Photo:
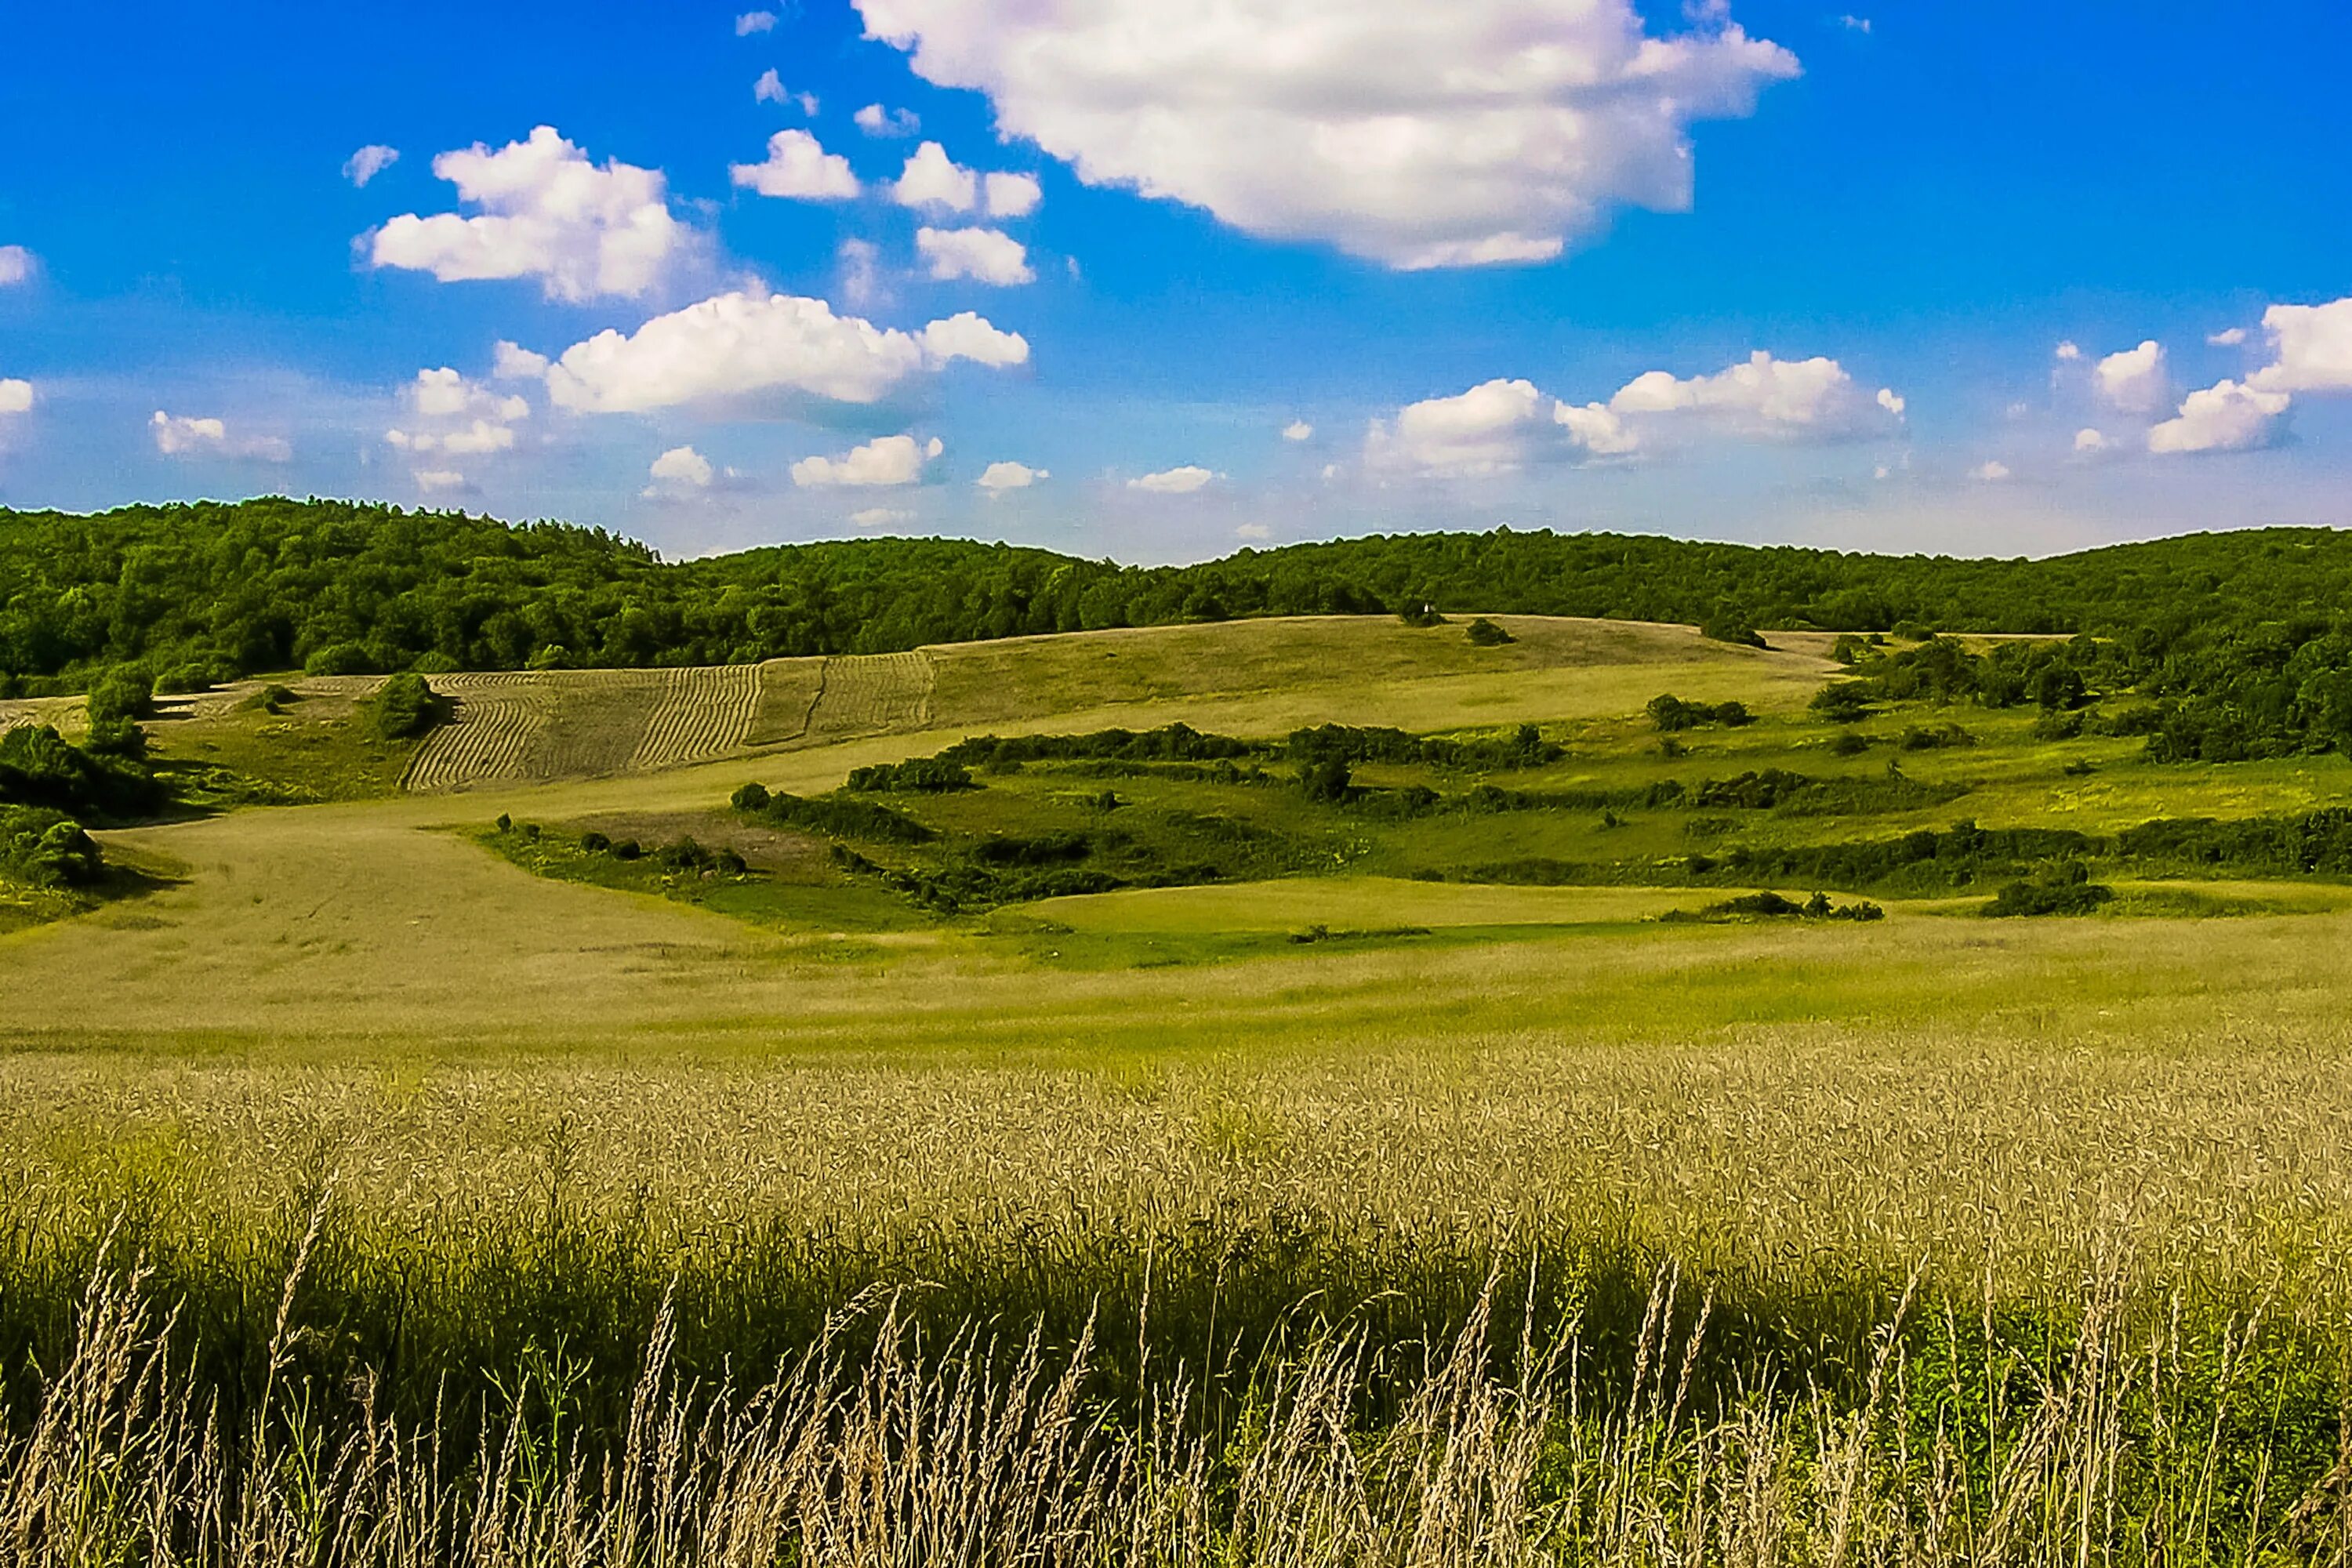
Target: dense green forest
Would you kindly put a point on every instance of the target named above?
(2246, 632)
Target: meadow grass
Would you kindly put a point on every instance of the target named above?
(381, 1189)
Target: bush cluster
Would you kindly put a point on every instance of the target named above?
(2062, 889)
(1672, 715)
(832, 815)
(919, 775)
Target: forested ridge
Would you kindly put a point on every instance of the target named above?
(195, 592)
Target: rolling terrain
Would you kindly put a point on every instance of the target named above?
(1285, 1065)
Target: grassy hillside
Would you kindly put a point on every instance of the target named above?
(1960, 1238)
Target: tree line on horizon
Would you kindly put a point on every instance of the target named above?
(196, 594)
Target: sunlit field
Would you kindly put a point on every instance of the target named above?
(1403, 1181)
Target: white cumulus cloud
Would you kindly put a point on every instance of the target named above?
(1299, 430)
(2227, 337)
(932, 179)
(1762, 395)
(983, 255)
(968, 335)
(2227, 416)
(752, 22)
(799, 166)
(16, 395)
(2069, 350)
(998, 478)
(1474, 435)
(16, 265)
(1014, 195)
(1597, 429)
(512, 362)
(1990, 471)
(455, 417)
(2135, 381)
(745, 342)
(368, 162)
(684, 467)
(1409, 134)
(179, 437)
(582, 229)
(1180, 481)
(2311, 348)
(886, 460)
(2089, 440)
(877, 120)
(438, 482)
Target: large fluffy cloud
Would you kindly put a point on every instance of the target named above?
(885, 461)
(1410, 133)
(1763, 395)
(739, 343)
(547, 212)
(2311, 349)
(16, 395)
(2225, 417)
(799, 166)
(985, 254)
(1477, 435)
(15, 264)
(1501, 426)
(2135, 381)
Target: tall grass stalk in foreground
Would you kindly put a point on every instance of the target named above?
(2138, 1441)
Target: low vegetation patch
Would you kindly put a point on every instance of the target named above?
(1768, 905)
(2064, 889)
(1672, 715)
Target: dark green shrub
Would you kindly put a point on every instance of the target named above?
(1672, 715)
(1327, 780)
(340, 659)
(39, 767)
(595, 843)
(404, 707)
(1484, 633)
(1419, 613)
(2064, 888)
(1849, 744)
(627, 849)
(1843, 702)
(1731, 629)
(44, 848)
(920, 776)
(750, 797)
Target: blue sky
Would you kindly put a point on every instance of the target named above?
(1265, 271)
